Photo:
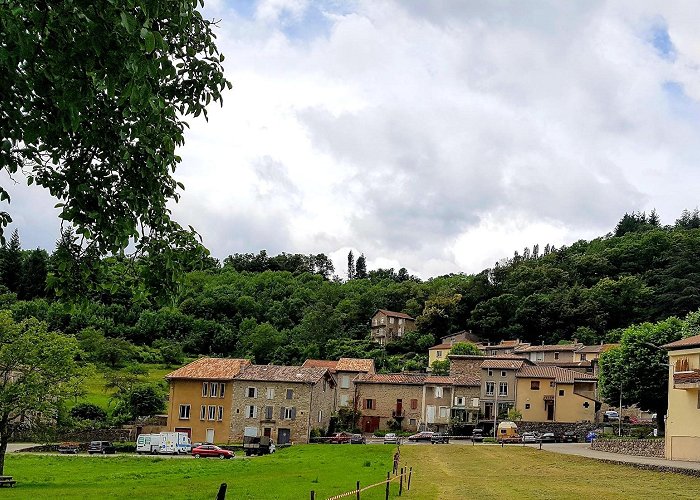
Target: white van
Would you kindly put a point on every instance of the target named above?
(174, 443)
(148, 444)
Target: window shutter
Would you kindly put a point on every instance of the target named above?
(282, 413)
(294, 413)
(364, 404)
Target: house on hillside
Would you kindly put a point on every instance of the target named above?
(201, 396)
(344, 370)
(563, 353)
(503, 347)
(283, 403)
(554, 394)
(683, 417)
(388, 326)
(590, 355)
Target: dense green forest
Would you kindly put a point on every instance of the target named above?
(286, 308)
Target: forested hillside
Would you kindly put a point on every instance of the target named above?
(286, 308)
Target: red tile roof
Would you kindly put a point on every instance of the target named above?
(209, 369)
(320, 363)
(355, 365)
(466, 381)
(685, 343)
(560, 375)
(598, 348)
(394, 314)
(274, 373)
(512, 364)
(439, 379)
(550, 348)
(446, 345)
(391, 378)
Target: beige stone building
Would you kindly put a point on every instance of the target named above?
(554, 394)
(498, 385)
(282, 402)
(344, 370)
(388, 326)
(385, 397)
(466, 399)
(201, 398)
(683, 417)
(503, 347)
(437, 402)
(549, 353)
(438, 353)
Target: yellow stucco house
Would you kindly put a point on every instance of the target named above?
(553, 394)
(683, 417)
(201, 398)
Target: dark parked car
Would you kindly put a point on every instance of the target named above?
(358, 439)
(440, 438)
(591, 436)
(210, 450)
(478, 435)
(569, 437)
(103, 447)
(548, 437)
(257, 445)
(421, 436)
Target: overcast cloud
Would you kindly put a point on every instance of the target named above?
(437, 136)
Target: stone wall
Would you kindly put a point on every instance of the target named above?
(558, 428)
(639, 447)
(82, 436)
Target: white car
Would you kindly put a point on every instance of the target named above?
(390, 438)
(529, 437)
(611, 415)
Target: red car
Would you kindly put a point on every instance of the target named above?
(340, 438)
(210, 450)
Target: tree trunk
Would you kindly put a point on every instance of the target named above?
(4, 438)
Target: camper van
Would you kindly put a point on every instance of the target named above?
(174, 443)
(148, 444)
(507, 433)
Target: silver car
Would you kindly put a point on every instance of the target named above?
(390, 438)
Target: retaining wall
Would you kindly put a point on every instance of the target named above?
(638, 447)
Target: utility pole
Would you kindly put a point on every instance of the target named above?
(619, 415)
(495, 412)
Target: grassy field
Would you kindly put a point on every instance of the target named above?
(440, 472)
(95, 385)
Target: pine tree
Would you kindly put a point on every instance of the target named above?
(11, 263)
(34, 269)
(361, 267)
(351, 265)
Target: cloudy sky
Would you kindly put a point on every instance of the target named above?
(439, 136)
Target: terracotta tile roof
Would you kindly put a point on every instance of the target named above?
(209, 369)
(320, 363)
(355, 365)
(394, 314)
(391, 378)
(560, 375)
(512, 364)
(566, 364)
(439, 379)
(467, 381)
(550, 348)
(274, 373)
(689, 377)
(685, 343)
(446, 345)
(598, 348)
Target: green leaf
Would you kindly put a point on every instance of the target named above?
(150, 42)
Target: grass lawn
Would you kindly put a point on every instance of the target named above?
(485, 472)
(290, 473)
(440, 472)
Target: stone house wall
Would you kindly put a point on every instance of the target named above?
(638, 447)
(385, 396)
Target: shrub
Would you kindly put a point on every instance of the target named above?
(88, 411)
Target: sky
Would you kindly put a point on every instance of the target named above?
(438, 136)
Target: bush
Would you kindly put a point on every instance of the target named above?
(88, 411)
(490, 440)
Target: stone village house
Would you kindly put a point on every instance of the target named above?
(387, 326)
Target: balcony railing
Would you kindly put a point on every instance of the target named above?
(398, 413)
(687, 379)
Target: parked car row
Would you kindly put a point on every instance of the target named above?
(549, 437)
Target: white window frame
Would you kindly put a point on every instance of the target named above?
(540, 356)
(490, 372)
(502, 392)
(345, 381)
(320, 415)
(391, 320)
(438, 354)
(270, 393)
(400, 321)
(222, 389)
(205, 389)
(444, 411)
(503, 373)
(248, 391)
(213, 389)
(344, 400)
(492, 385)
(251, 411)
(220, 413)
(288, 412)
(459, 401)
(184, 412)
(211, 413)
(437, 391)
(203, 412)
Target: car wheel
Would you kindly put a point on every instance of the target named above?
(221, 457)
(196, 455)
